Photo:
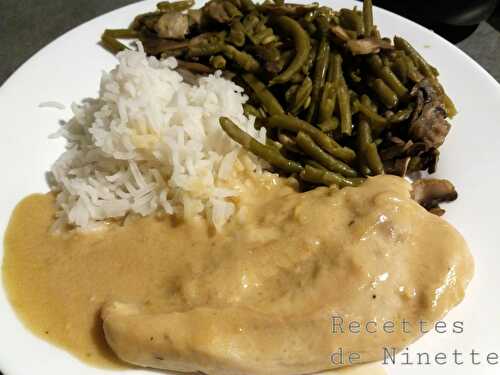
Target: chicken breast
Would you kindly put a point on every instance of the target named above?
(281, 285)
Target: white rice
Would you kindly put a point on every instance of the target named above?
(151, 142)
(52, 104)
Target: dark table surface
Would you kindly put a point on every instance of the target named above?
(28, 25)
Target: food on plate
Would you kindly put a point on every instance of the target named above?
(152, 142)
(229, 193)
(256, 298)
(375, 104)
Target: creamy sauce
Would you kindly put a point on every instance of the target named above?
(257, 298)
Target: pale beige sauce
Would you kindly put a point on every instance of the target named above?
(256, 298)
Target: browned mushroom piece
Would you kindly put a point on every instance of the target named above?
(172, 26)
(367, 46)
(432, 160)
(428, 123)
(398, 167)
(438, 211)
(194, 18)
(340, 33)
(147, 20)
(429, 192)
(155, 46)
(216, 11)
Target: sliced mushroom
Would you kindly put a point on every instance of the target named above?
(429, 192)
(398, 167)
(147, 20)
(216, 11)
(172, 26)
(394, 151)
(194, 18)
(428, 123)
(433, 158)
(367, 46)
(438, 211)
(340, 33)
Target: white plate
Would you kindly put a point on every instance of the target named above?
(69, 69)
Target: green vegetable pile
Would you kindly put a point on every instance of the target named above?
(339, 101)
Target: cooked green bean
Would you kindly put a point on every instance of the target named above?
(320, 69)
(206, 49)
(335, 69)
(247, 5)
(387, 75)
(327, 103)
(237, 34)
(311, 57)
(368, 18)
(288, 143)
(364, 136)
(450, 106)
(329, 125)
(302, 47)
(266, 98)
(367, 150)
(365, 100)
(243, 59)
(401, 68)
(194, 67)
(249, 109)
(267, 153)
(218, 62)
(371, 115)
(177, 6)
(419, 61)
(264, 35)
(290, 93)
(307, 144)
(111, 43)
(384, 93)
(274, 144)
(363, 168)
(323, 23)
(267, 53)
(297, 78)
(329, 96)
(344, 109)
(351, 20)
(393, 82)
(413, 72)
(314, 164)
(250, 21)
(122, 33)
(373, 159)
(292, 10)
(310, 16)
(301, 95)
(322, 177)
(231, 9)
(402, 115)
(295, 124)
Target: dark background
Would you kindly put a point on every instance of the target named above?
(28, 25)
